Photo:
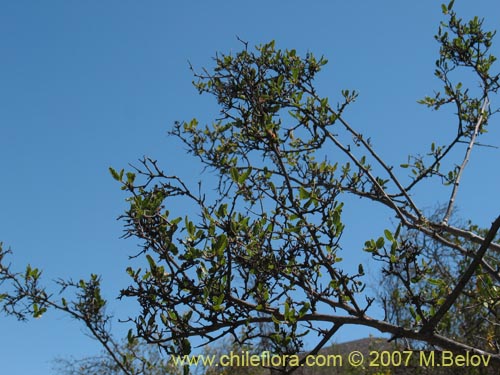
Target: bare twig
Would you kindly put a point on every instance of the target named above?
(465, 161)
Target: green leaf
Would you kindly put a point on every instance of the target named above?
(217, 306)
(361, 271)
(130, 337)
(380, 243)
(117, 176)
(242, 178)
(370, 246)
(304, 309)
(388, 235)
(222, 211)
(398, 229)
(220, 244)
(186, 346)
(436, 282)
(27, 274)
(287, 310)
(38, 312)
(190, 228)
(130, 177)
(151, 261)
(303, 193)
(234, 174)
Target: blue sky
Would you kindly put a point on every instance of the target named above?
(90, 84)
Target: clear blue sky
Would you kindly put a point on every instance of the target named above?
(85, 85)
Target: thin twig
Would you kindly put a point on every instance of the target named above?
(464, 163)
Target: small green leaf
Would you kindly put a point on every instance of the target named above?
(303, 193)
(130, 336)
(117, 176)
(220, 244)
(151, 261)
(242, 178)
(234, 174)
(361, 271)
(398, 229)
(222, 211)
(380, 243)
(304, 309)
(287, 310)
(370, 246)
(436, 282)
(186, 346)
(388, 235)
(130, 177)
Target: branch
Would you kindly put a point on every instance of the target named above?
(435, 231)
(321, 344)
(464, 163)
(450, 300)
(388, 169)
(468, 235)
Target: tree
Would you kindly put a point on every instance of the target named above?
(266, 248)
